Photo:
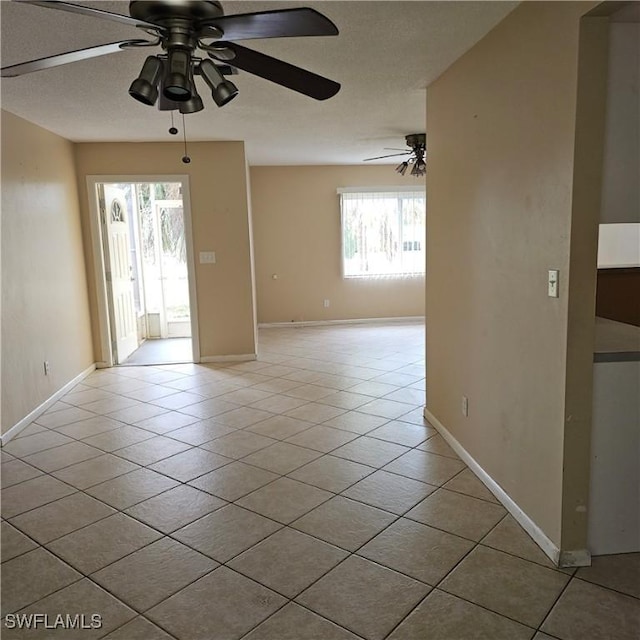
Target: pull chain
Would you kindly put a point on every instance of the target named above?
(172, 128)
(185, 158)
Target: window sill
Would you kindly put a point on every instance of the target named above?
(386, 276)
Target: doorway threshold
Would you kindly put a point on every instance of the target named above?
(161, 351)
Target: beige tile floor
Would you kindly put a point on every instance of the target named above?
(298, 497)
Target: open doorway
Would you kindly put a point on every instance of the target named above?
(146, 270)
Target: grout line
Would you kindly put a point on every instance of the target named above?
(555, 602)
(596, 584)
(404, 618)
(213, 381)
(185, 483)
(169, 535)
(140, 615)
(478, 544)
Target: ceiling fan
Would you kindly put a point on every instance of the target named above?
(183, 28)
(416, 143)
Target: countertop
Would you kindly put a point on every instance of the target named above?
(616, 341)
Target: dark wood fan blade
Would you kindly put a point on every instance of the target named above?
(90, 11)
(393, 155)
(280, 72)
(272, 24)
(64, 58)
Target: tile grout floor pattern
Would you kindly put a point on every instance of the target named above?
(300, 496)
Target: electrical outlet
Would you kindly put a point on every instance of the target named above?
(47, 368)
(326, 303)
(465, 406)
(207, 257)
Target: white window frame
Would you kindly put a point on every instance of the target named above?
(377, 189)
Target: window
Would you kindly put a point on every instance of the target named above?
(383, 232)
(117, 211)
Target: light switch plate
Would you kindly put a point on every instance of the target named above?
(207, 257)
(553, 284)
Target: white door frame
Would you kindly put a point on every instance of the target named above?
(106, 359)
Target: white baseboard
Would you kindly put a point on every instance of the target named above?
(578, 558)
(318, 323)
(242, 357)
(39, 410)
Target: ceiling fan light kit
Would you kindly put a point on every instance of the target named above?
(145, 87)
(192, 105)
(402, 168)
(184, 27)
(176, 84)
(222, 91)
(417, 149)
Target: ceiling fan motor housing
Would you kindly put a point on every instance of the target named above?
(418, 140)
(164, 12)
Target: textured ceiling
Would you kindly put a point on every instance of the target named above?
(385, 56)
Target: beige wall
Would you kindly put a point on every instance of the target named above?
(621, 187)
(581, 286)
(220, 219)
(296, 223)
(501, 128)
(45, 312)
